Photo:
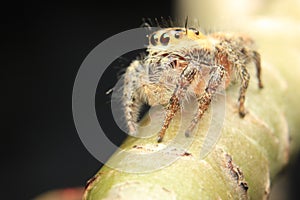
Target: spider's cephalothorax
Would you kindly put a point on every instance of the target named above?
(181, 62)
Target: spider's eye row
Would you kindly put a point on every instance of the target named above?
(154, 39)
(164, 39)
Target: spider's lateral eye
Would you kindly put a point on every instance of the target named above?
(154, 39)
(195, 31)
(177, 35)
(164, 39)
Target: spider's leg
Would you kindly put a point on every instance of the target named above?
(132, 99)
(256, 58)
(245, 77)
(217, 75)
(185, 79)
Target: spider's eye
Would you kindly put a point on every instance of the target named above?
(177, 35)
(195, 31)
(154, 39)
(164, 39)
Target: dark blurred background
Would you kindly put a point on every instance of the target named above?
(43, 46)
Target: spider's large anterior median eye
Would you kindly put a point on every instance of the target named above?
(164, 39)
(154, 39)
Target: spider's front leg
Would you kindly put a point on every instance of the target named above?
(185, 80)
(132, 97)
(217, 75)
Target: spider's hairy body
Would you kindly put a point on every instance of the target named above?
(183, 62)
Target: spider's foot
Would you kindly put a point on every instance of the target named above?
(189, 130)
(187, 133)
(161, 136)
(242, 113)
(159, 139)
(132, 129)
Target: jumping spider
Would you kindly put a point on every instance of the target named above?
(184, 61)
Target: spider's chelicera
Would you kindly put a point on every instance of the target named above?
(183, 62)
